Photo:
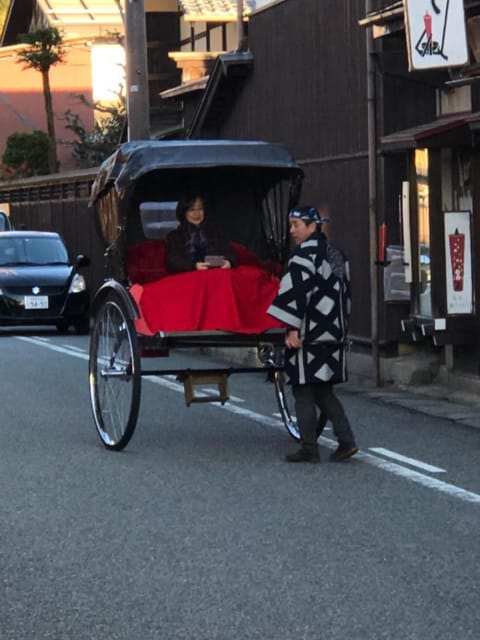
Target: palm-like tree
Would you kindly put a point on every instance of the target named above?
(45, 49)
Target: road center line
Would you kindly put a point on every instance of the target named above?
(385, 465)
(411, 461)
(72, 348)
(419, 478)
(208, 391)
(54, 347)
(232, 408)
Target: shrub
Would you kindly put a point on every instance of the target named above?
(26, 154)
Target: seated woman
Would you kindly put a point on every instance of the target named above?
(196, 297)
(193, 240)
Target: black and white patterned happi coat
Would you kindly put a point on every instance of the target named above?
(314, 297)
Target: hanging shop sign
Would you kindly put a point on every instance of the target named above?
(458, 262)
(436, 34)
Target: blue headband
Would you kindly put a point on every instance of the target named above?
(308, 214)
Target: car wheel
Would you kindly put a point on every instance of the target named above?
(62, 326)
(82, 326)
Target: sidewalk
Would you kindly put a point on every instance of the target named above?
(424, 400)
(461, 406)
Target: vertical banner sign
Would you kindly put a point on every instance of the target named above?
(458, 262)
(436, 34)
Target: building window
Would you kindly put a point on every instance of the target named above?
(423, 208)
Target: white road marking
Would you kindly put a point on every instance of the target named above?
(213, 392)
(252, 415)
(70, 346)
(391, 467)
(411, 461)
(54, 347)
(294, 419)
(279, 416)
(379, 463)
(419, 478)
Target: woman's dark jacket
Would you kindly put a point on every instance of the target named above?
(181, 257)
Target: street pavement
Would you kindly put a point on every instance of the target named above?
(199, 530)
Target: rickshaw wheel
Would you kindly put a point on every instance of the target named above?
(286, 404)
(114, 373)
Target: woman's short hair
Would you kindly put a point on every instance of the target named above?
(184, 204)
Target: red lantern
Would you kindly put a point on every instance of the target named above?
(382, 243)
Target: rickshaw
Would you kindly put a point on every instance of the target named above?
(138, 312)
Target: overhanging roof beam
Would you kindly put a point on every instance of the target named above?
(209, 17)
(394, 11)
(81, 12)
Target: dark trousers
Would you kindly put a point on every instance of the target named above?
(322, 395)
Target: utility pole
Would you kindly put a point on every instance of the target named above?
(138, 107)
(240, 26)
(372, 197)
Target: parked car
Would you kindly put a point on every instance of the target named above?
(5, 224)
(39, 284)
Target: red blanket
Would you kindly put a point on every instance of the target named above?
(225, 299)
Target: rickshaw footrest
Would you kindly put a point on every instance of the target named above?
(194, 378)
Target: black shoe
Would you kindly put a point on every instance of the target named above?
(304, 454)
(344, 452)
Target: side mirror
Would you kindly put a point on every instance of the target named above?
(82, 261)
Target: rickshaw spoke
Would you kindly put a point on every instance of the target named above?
(113, 412)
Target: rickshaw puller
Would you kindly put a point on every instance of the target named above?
(314, 304)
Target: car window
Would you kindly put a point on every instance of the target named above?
(8, 253)
(32, 250)
(45, 250)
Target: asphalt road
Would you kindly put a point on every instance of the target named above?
(199, 531)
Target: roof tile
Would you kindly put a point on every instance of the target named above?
(215, 7)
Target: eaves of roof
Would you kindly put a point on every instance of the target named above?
(74, 18)
(423, 134)
(236, 64)
(185, 88)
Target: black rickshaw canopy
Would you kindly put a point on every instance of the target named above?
(134, 159)
(249, 186)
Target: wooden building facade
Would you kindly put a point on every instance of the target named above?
(429, 169)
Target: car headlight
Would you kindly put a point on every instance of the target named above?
(78, 284)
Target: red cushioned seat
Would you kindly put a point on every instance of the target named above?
(230, 300)
(146, 261)
(247, 257)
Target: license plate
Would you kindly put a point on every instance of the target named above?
(36, 302)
